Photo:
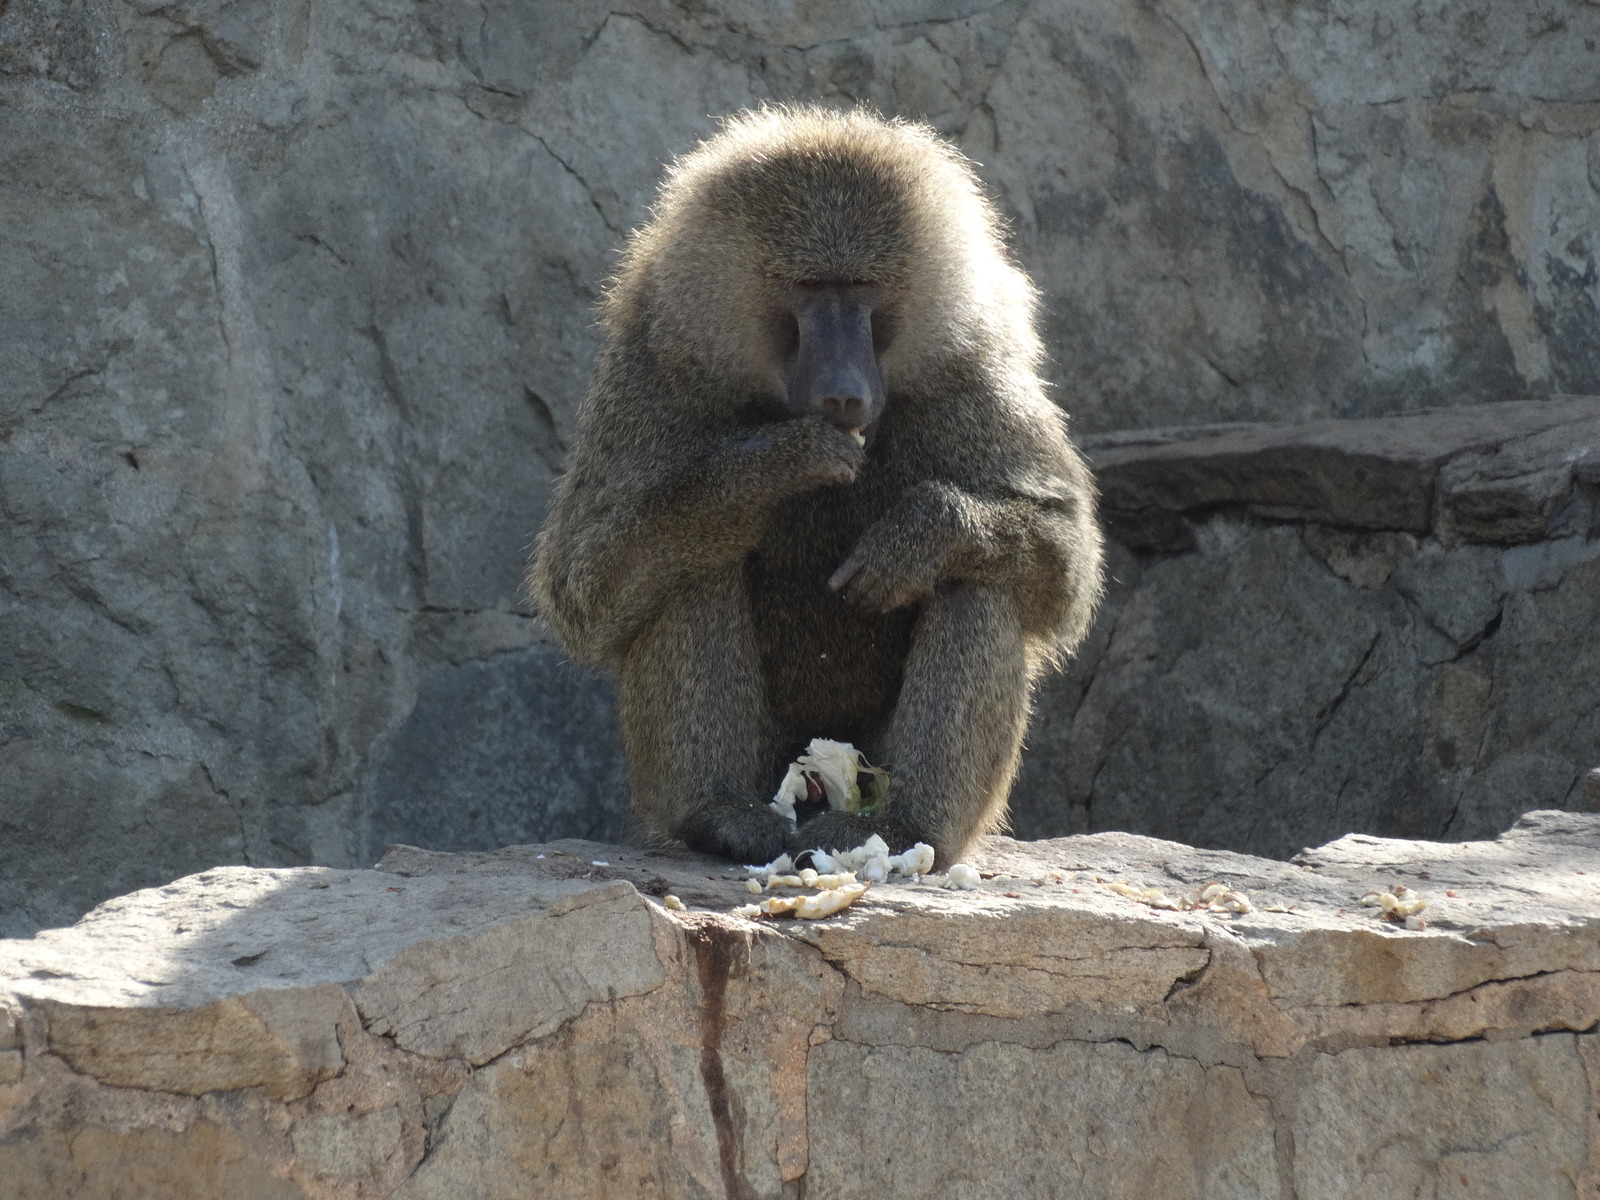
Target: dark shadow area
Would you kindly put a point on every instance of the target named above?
(522, 748)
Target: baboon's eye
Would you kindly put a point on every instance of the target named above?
(786, 327)
(817, 285)
(884, 328)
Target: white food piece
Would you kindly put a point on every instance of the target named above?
(781, 865)
(753, 885)
(1414, 921)
(825, 904)
(873, 847)
(808, 908)
(961, 876)
(1153, 896)
(1211, 897)
(790, 791)
(916, 861)
(861, 438)
(808, 877)
(1401, 904)
(836, 764)
(672, 902)
(747, 910)
(876, 869)
(872, 861)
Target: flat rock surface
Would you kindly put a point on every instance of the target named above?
(1487, 473)
(414, 1029)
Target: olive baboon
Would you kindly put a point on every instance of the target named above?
(756, 575)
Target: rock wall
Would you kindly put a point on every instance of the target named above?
(1389, 625)
(295, 308)
(531, 1022)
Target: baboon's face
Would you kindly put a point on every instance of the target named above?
(831, 334)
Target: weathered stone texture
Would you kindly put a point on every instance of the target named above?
(1389, 625)
(295, 308)
(527, 1022)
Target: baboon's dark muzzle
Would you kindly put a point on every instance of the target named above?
(835, 369)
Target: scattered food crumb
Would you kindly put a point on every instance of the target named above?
(753, 885)
(1208, 897)
(599, 862)
(672, 902)
(962, 876)
(872, 861)
(807, 908)
(1402, 905)
(781, 865)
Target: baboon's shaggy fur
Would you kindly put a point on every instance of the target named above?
(692, 543)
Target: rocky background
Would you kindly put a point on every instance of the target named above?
(295, 309)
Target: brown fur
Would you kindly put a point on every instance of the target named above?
(691, 543)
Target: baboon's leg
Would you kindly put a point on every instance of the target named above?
(697, 726)
(953, 742)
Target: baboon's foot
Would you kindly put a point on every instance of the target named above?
(748, 833)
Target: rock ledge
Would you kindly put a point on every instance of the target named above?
(532, 1021)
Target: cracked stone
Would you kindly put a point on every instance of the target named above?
(492, 1024)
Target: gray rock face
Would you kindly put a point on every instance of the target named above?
(531, 1022)
(295, 307)
(1388, 625)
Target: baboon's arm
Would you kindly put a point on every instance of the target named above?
(632, 525)
(1044, 548)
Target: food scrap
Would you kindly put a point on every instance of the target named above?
(1208, 897)
(963, 877)
(1404, 905)
(672, 902)
(807, 908)
(872, 861)
(831, 772)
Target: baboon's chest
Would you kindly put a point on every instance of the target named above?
(831, 670)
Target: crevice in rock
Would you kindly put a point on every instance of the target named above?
(716, 951)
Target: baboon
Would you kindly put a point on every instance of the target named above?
(818, 489)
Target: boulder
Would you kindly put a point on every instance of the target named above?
(543, 1020)
(1388, 625)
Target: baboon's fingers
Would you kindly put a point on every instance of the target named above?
(846, 572)
(876, 588)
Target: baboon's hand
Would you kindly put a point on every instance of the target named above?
(890, 567)
(807, 453)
